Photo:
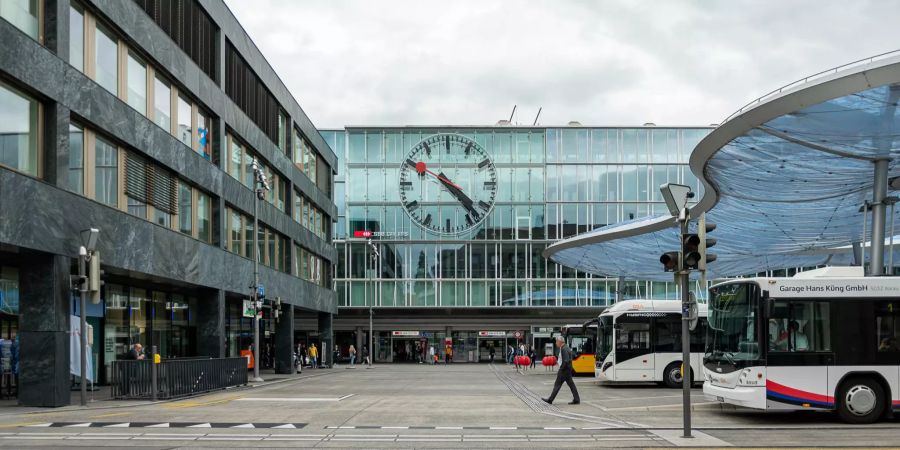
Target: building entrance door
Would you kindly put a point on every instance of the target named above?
(406, 349)
(484, 349)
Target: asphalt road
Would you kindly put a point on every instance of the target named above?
(423, 406)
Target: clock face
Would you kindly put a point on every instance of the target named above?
(448, 184)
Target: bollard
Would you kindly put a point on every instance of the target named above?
(153, 373)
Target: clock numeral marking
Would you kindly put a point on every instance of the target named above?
(488, 185)
(412, 206)
(448, 226)
(484, 163)
(482, 204)
(427, 149)
(469, 220)
(427, 220)
(411, 163)
(468, 149)
(447, 143)
(406, 185)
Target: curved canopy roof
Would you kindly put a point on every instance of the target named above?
(784, 178)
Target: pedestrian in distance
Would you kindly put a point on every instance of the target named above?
(491, 350)
(564, 375)
(313, 355)
(365, 355)
(352, 356)
(532, 355)
(136, 352)
(431, 356)
(448, 354)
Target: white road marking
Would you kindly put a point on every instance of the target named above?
(448, 428)
(159, 425)
(118, 425)
(243, 425)
(293, 399)
(287, 425)
(200, 425)
(78, 425)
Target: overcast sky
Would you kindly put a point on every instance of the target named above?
(598, 62)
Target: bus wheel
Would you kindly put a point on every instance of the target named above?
(860, 400)
(672, 375)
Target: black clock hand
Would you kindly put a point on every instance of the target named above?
(458, 194)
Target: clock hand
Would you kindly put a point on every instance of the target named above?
(421, 168)
(457, 192)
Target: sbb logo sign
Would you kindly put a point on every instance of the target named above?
(362, 233)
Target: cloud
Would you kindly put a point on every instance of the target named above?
(601, 63)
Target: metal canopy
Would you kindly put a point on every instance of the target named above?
(784, 178)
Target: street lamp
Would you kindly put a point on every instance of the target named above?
(85, 283)
(376, 255)
(261, 185)
(676, 197)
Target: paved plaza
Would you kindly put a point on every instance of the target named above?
(423, 406)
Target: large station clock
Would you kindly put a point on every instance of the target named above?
(448, 184)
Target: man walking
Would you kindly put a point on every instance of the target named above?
(565, 373)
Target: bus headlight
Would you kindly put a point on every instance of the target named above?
(606, 366)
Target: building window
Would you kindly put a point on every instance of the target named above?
(137, 83)
(76, 159)
(235, 229)
(137, 208)
(162, 218)
(189, 26)
(76, 36)
(106, 64)
(162, 103)
(204, 229)
(250, 94)
(183, 118)
(107, 173)
(234, 160)
(185, 209)
(23, 14)
(18, 131)
(282, 130)
(204, 135)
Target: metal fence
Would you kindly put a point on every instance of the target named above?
(176, 377)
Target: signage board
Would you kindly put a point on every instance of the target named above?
(491, 334)
(248, 309)
(405, 333)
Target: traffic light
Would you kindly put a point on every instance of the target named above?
(669, 261)
(690, 250)
(705, 243)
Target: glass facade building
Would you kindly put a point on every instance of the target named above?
(552, 183)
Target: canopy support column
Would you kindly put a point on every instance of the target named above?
(879, 192)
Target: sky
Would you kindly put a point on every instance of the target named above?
(609, 63)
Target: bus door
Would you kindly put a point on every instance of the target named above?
(634, 360)
(799, 355)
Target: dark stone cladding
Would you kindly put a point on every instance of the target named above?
(42, 217)
(137, 27)
(41, 72)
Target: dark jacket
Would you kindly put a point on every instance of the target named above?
(565, 360)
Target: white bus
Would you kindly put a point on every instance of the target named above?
(640, 340)
(825, 339)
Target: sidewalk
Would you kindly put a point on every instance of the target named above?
(100, 398)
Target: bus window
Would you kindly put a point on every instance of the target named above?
(887, 326)
(799, 327)
(633, 336)
(668, 333)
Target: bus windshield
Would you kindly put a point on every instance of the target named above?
(606, 338)
(732, 336)
(580, 340)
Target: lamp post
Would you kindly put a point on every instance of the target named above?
(375, 255)
(676, 197)
(261, 185)
(85, 283)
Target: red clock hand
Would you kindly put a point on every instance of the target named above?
(422, 168)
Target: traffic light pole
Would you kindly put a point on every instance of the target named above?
(685, 340)
(82, 272)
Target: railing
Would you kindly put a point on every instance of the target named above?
(812, 77)
(176, 377)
